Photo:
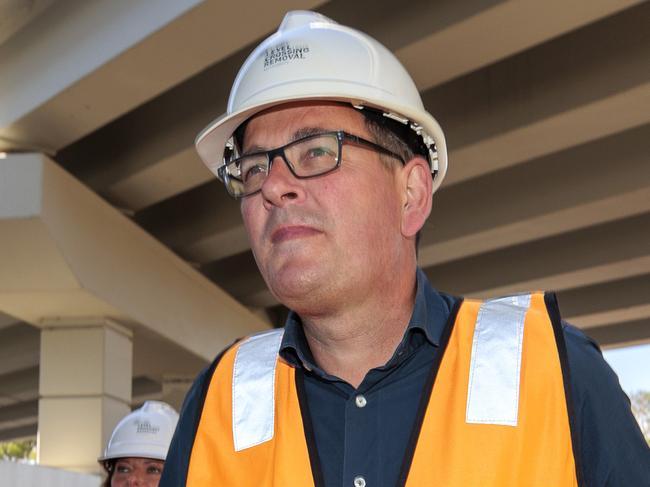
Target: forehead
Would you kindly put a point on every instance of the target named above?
(277, 125)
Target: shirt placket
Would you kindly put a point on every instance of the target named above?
(361, 441)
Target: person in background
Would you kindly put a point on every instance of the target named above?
(135, 454)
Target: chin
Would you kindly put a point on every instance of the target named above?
(297, 286)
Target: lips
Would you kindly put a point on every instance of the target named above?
(292, 232)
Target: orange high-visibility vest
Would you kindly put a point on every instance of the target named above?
(496, 413)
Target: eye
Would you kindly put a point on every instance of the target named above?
(315, 158)
(314, 154)
(122, 468)
(251, 167)
(154, 469)
(319, 152)
(251, 172)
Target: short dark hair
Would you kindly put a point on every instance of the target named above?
(394, 135)
(389, 140)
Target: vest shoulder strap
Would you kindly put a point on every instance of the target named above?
(253, 389)
(495, 366)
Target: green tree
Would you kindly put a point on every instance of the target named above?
(641, 410)
(18, 450)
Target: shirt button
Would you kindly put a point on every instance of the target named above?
(361, 402)
(359, 481)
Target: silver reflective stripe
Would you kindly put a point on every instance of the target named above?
(493, 395)
(253, 389)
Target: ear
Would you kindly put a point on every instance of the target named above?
(416, 197)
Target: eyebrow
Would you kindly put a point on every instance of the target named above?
(298, 134)
(147, 461)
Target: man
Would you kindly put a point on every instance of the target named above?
(377, 379)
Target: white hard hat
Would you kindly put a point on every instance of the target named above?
(311, 57)
(144, 433)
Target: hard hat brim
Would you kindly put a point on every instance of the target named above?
(134, 454)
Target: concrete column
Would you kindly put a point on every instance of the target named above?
(85, 389)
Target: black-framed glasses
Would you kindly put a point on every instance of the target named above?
(307, 157)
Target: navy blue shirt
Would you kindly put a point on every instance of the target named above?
(365, 431)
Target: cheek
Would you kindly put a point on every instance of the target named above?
(364, 213)
(152, 481)
(252, 221)
(373, 200)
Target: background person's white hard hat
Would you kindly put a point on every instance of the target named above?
(311, 57)
(144, 433)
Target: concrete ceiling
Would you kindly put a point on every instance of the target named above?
(546, 107)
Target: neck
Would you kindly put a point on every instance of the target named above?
(350, 341)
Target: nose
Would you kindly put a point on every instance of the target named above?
(280, 186)
(134, 480)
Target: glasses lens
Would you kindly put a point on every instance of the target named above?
(246, 174)
(307, 157)
(314, 155)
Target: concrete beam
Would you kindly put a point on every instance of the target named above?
(119, 158)
(590, 256)
(66, 253)
(621, 334)
(20, 414)
(113, 56)
(47, 105)
(19, 348)
(16, 14)
(19, 386)
(558, 193)
(28, 431)
(608, 303)
(6, 320)
(579, 87)
(211, 231)
(499, 31)
(242, 278)
(155, 356)
(145, 389)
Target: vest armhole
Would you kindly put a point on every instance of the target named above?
(188, 425)
(426, 395)
(310, 436)
(550, 300)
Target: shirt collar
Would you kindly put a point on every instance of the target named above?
(430, 314)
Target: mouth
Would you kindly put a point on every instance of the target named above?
(292, 232)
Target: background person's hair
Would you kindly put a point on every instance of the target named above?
(109, 467)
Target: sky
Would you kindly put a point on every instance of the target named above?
(632, 365)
